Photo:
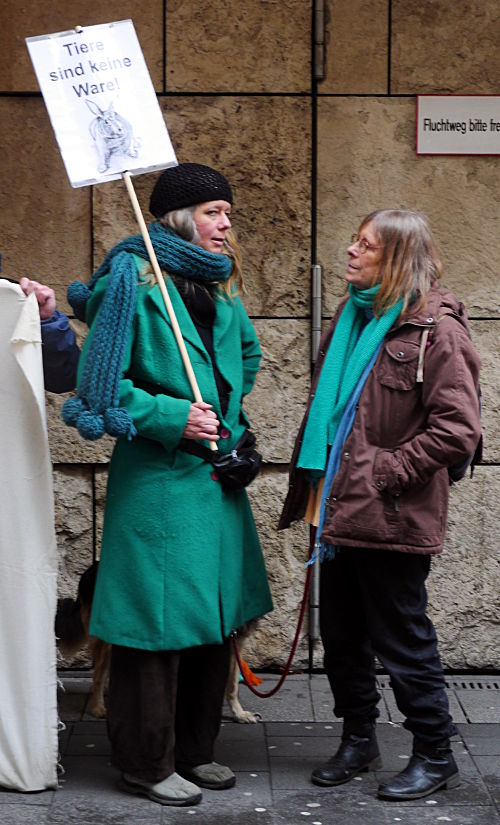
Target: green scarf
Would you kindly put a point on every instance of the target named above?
(349, 352)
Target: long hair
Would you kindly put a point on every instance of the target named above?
(181, 221)
(410, 261)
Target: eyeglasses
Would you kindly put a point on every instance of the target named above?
(363, 245)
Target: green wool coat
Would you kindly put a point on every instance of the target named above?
(180, 563)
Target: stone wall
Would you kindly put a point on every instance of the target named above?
(306, 161)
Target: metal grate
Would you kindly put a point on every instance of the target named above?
(457, 682)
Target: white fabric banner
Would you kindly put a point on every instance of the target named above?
(28, 555)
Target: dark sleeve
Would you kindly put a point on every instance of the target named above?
(60, 353)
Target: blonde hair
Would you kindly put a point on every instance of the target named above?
(410, 261)
(181, 221)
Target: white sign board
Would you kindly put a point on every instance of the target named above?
(458, 125)
(101, 102)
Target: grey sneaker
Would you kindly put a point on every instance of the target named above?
(213, 776)
(174, 790)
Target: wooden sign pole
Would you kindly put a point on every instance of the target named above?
(166, 297)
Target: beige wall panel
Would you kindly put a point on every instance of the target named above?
(73, 521)
(277, 402)
(20, 21)
(44, 223)
(100, 481)
(485, 335)
(242, 46)
(464, 585)
(367, 160)
(285, 554)
(438, 46)
(356, 47)
(263, 145)
(66, 444)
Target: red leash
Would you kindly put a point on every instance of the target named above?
(288, 665)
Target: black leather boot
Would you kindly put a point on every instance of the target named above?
(428, 770)
(355, 754)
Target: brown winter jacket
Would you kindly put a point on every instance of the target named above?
(418, 413)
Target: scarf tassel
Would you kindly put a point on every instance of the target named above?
(116, 421)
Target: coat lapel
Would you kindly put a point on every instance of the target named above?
(224, 316)
(189, 332)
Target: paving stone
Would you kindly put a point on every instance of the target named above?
(71, 706)
(91, 811)
(252, 789)
(323, 704)
(35, 799)
(64, 736)
(260, 815)
(480, 705)
(396, 716)
(482, 745)
(482, 739)
(23, 815)
(489, 766)
(234, 731)
(89, 796)
(251, 755)
(88, 745)
(303, 729)
(477, 731)
(293, 700)
(291, 773)
(319, 748)
(95, 728)
(330, 807)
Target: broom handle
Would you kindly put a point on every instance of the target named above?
(163, 289)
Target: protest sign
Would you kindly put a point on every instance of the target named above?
(101, 102)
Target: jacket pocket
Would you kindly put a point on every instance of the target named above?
(398, 366)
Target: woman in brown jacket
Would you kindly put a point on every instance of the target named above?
(394, 404)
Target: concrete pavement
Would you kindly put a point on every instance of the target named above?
(273, 761)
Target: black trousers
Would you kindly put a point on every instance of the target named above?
(165, 708)
(373, 602)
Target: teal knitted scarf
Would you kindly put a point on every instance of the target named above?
(349, 352)
(95, 410)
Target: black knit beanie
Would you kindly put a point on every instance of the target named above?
(188, 184)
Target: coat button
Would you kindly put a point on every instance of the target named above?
(214, 476)
(347, 454)
(430, 320)
(224, 433)
(400, 353)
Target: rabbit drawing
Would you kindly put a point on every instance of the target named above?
(112, 135)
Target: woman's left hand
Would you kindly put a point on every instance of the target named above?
(202, 422)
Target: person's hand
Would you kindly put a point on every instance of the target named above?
(45, 296)
(202, 422)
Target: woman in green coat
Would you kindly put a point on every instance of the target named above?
(181, 565)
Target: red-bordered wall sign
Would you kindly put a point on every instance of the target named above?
(458, 124)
